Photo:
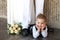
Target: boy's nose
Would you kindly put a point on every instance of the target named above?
(39, 25)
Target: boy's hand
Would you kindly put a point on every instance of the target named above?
(42, 28)
(38, 28)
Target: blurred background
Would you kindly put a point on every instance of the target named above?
(51, 10)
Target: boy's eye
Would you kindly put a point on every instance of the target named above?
(41, 23)
(38, 22)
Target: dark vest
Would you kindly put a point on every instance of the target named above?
(30, 30)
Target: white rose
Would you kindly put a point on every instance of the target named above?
(14, 28)
(16, 31)
(19, 28)
(10, 28)
(11, 31)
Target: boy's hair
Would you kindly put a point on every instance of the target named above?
(42, 16)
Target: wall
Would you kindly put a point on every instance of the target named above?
(3, 8)
(20, 11)
(52, 11)
(3, 17)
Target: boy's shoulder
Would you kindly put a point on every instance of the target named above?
(31, 28)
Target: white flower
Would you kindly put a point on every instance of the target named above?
(10, 28)
(19, 28)
(11, 31)
(14, 28)
(16, 31)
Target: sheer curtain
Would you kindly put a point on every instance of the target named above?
(15, 11)
(39, 6)
(23, 11)
(19, 11)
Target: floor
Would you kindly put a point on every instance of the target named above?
(53, 35)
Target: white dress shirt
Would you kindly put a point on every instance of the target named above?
(36, 33)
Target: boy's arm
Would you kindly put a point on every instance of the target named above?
(35, 32)
(44, 32)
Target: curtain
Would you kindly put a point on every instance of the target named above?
(14, 11)
(23, 11)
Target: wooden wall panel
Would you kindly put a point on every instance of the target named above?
(52, 11)
(3, 8)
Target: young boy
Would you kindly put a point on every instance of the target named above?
(40, 28)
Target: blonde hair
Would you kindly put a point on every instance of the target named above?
(42, 16)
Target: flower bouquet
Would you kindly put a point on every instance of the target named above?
(14, 28)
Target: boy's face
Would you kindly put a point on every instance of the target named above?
(40, 23)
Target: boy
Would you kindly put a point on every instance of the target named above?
(40, 28)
